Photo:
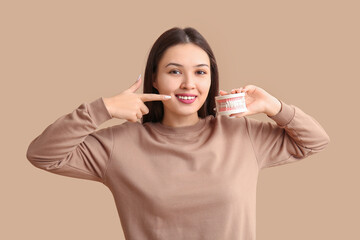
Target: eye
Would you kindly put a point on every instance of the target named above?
(174, 71)
(201, 72)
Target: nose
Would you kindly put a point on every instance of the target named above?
(188, 82)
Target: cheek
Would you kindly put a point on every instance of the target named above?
(165, 86)
(205, 86)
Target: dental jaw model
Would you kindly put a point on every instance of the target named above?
(231, 103)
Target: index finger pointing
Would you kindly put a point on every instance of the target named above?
(153, 97)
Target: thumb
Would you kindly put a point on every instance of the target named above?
(222, 93)
(135, 85)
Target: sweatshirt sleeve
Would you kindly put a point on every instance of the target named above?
(295, 136)
(71, 147)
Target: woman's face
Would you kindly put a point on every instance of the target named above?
(183, 73)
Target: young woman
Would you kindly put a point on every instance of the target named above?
(183, 172)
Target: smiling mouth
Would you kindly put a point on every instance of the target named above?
(186, 99)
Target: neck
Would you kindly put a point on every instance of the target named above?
(180, 121)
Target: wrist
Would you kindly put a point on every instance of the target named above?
(107, 102)
(274, 107)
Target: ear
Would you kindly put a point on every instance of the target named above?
(154, 82)
(155, 85)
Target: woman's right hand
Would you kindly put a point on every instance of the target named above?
(130, 105)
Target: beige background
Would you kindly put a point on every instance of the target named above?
(56, 55)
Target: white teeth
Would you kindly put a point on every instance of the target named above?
(232, 104)
(185, 98)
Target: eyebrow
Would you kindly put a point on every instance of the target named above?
(179, 65)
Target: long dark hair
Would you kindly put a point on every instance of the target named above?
(170, 38)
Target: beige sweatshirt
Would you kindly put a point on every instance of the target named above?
(193, 182)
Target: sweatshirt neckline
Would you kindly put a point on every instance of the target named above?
(168, 130)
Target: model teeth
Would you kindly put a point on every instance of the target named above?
(186, 98)
(233, 104)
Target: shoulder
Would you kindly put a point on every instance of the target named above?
(127, 127)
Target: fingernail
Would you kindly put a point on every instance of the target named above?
(167, 97)
(139, 77)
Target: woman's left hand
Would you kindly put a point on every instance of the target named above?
(257, 101)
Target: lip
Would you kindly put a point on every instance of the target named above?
(187, 101)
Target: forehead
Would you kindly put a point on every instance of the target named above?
(185, 54)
